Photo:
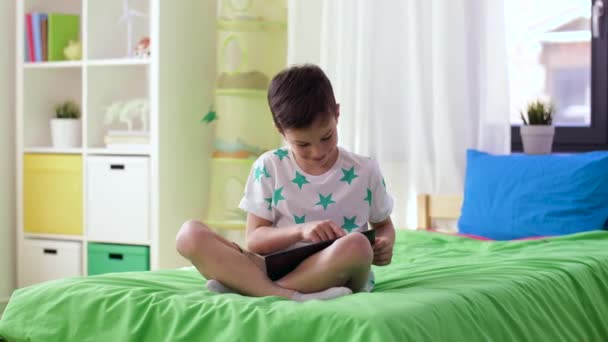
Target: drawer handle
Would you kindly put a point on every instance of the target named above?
(115, 256)
(117, 166)
(49, 251)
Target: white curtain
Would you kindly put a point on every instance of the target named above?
(418, 83)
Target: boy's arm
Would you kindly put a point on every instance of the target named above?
(385, 239)
(262, 238)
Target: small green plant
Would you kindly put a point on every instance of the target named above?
(67, 110)
(539, 113)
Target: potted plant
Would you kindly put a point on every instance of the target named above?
(537, 132)
(65, 126)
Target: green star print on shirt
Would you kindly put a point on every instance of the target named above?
(349, 193)
(261, 171)
(282, 154)
(277, 196)
(300, 180)
(349, 175)
(369, 197)
(299, 219)
(349, 223)
(325, 201)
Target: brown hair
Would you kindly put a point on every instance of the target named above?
(300, 94)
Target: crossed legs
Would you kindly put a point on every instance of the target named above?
(345, 263)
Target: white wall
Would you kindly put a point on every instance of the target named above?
(7, 150)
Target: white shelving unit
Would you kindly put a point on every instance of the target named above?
(177, 79)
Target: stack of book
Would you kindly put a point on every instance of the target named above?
(132, 140)
(46, 35)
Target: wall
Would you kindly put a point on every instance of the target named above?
(7, 150)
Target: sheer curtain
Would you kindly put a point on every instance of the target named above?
(418, 83)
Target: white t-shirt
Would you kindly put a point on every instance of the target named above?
(351, 193)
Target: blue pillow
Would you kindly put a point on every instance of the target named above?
(519, 196)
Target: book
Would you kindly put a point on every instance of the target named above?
(44, 37)
(126, 139)
(37, 29)
(26, 56)
(30, 37)
(61, 29)
(280, 263)
(130, 147)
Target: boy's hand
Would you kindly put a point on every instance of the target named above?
(383, 251)
(317, 231)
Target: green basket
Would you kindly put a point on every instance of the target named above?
(110, 258)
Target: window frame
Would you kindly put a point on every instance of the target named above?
(594, 137)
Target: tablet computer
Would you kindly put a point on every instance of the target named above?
(280, 263)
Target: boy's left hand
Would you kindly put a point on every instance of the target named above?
(383, 251)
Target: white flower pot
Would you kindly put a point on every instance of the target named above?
(537, 139)
(66, 133)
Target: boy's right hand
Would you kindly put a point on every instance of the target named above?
(317, 231)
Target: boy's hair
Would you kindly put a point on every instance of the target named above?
(299, 95)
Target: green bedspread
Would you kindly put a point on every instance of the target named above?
(438, 288)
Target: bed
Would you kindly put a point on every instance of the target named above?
(439, 287)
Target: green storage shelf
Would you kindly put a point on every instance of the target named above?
(111, 258)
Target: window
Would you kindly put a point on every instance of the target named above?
(552, 55)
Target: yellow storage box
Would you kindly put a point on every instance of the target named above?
(244, 126)
(228, 179)
(52, 194)
(251, 47)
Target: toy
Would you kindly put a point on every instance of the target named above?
(73, 51)
(142, 50)
(126, 112)
(127, 16)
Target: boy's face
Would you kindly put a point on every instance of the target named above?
(315, 147)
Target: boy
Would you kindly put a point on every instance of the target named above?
(309, 192)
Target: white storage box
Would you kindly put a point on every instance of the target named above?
(43, 260)
(118, 199)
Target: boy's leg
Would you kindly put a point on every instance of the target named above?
(346, 262)
(217, 258)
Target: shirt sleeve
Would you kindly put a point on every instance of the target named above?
(257, 198)
(382, 201)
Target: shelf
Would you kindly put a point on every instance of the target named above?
(118, 242)
(94, 151)
(53, 237)
(119, 62)
(52, 150)
(78, 64)
(108, 74)
(110, 85)
(122, 152)
(52, 65)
